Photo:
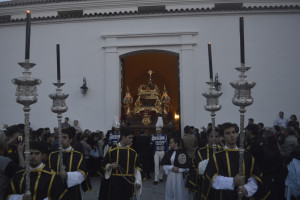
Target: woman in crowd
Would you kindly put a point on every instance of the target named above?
(175, 163)
(85, 146)
(76, 126)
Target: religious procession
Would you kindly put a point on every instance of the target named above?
(200, 165)
(147, 149)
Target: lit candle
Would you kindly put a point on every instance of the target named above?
(58, 62)
(210, 62)
(242, 40)
(27, 41)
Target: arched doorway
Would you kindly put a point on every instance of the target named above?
(164, 65)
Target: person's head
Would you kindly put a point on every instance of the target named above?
(73, 131)
(4, 126)
(55, 129)
(101, 135)
(66, 120)
(187, 129)
(210, 136)
(174, 142)
(49, 138)
(47, 130)
(3, 143)
(229, 134)
(293, 118)
(277, 128)
(251, 130)
(209, 125)
(36, 154)
(117, 129)
(126, 136)
(261, 126)
(281, 114)
(66, 138)
(192, 129)
(250, 121)
(84, 137)
(13, 131)
(40, 132)
(158, 130)
(75, 122)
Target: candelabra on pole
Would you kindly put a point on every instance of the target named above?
(212, 105)
(26, 95)
(242, 98)
(59, 107)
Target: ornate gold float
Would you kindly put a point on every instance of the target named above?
(149, 101)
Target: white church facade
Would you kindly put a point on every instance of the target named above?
(95, 37)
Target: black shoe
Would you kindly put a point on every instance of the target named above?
(161, 180)
(155, 182)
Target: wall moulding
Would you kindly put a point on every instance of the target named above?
(149, 39)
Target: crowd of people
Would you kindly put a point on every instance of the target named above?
(197, 165)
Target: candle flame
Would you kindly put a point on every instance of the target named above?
(28, 11)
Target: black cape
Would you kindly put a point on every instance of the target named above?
(181, 159)
(73, 161)
(226, 163)
(118, 187)
(43, 183)
(193, 180)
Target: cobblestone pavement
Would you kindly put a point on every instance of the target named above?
(149, 192)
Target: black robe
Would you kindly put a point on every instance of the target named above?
(73, 161)
(194, 181)
(226, 163)
(117, 187)
(43, 183)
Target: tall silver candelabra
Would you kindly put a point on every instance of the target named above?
(212, 105)
(59, 107)
(26, 95)
(242, 98)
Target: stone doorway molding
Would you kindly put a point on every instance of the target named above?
(116, 45)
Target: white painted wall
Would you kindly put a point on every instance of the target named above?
(272, 50)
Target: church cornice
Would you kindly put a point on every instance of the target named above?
(249, 9)
(16, 3)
